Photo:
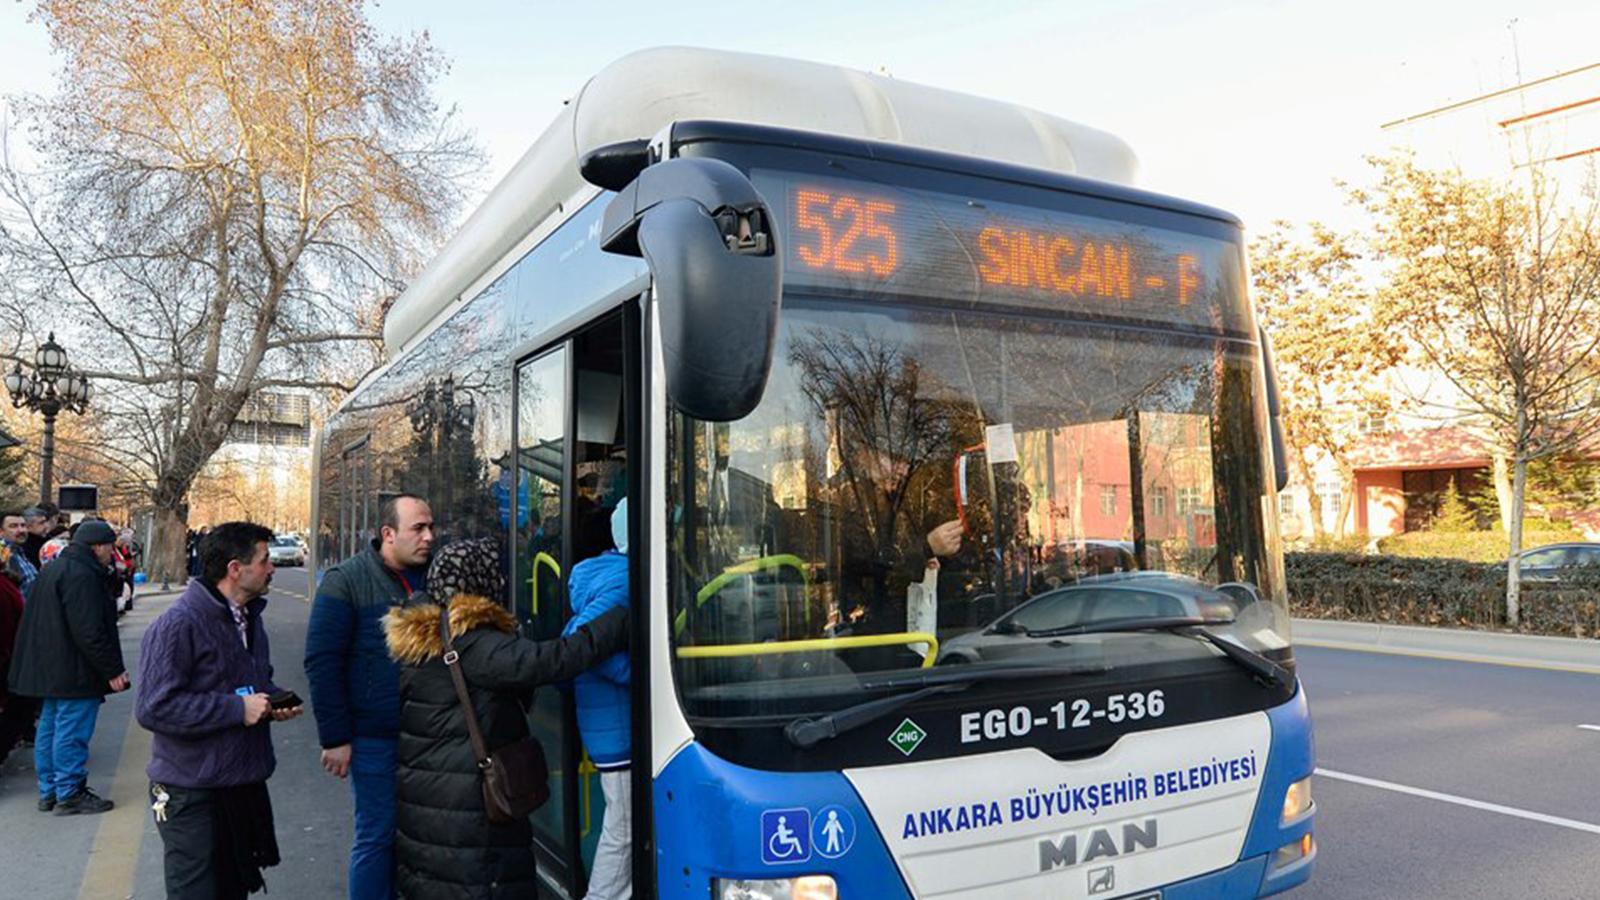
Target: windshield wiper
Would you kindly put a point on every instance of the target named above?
(1266, 671)
(806, 732)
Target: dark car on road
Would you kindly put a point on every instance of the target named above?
(1556, 563)
(1115, 598)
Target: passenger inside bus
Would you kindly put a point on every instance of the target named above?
(905, 527)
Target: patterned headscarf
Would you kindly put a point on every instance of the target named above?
(467, 567)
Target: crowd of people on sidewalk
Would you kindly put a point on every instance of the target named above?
(417, 674)
(62, 587)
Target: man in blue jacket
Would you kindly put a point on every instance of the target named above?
(599, 584)
(205, 676)
(355, 686)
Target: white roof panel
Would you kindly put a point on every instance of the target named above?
(638, 95)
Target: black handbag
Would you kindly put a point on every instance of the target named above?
(516, 779)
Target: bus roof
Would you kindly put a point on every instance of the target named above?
(639, 94)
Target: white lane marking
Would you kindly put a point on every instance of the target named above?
(1462, 801)
(1590, 727)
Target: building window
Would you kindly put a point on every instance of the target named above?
(1158, 502)
(1108, 500)
(1188, 499)
(1375, 420)
(1329, 492)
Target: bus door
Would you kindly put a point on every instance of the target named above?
(570, 472)
(539, 486)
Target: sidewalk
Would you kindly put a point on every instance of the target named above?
(117, 856)
(1529, 651)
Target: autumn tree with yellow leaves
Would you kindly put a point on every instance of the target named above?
(1317, 308)
(226, 196)
(1496, 287)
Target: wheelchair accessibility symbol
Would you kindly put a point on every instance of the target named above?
(785, 836)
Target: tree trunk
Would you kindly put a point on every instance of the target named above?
(1502, 492)
(1519, 484)
(1347, 505)
(1308, 478)
(167, 561)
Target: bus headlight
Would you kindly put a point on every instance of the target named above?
(801, 887)
(1297, 800)
(1289, 854)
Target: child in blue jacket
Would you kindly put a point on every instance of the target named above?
(598, 584)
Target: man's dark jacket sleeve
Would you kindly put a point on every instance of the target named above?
(329, 637)
(165, 705)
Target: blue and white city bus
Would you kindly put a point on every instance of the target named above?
(951, 463)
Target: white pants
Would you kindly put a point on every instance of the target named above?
(612, 878)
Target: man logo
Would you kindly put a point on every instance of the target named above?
(1102, 880)
(1101, 844)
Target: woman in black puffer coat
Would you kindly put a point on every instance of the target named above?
(445, 847)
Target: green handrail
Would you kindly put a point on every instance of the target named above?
(749, 567)
(540, 558)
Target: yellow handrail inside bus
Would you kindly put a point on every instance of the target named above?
(749, 567)
(541, 558)
(586, 772)
(728, 651)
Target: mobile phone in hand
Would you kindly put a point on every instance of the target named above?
(285, 700)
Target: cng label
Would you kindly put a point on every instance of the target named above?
(907, 737)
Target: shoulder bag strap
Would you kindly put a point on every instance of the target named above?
(452, 661)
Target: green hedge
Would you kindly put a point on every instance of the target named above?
(1443, 592)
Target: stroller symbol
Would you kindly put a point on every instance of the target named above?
(785, 836)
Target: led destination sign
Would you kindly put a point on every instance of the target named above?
(1054, 261)
(875, 239)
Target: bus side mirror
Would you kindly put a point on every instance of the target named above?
(707, 235)
(1280, 458)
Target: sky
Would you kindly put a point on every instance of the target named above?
(1254, 106)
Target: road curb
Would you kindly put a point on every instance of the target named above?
(1522, 650)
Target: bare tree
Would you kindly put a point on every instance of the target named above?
(228, 198)
(1497, 287)
(887, 431)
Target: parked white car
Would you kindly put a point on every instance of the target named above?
(286, 551)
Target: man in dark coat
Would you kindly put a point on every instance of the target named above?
(68, 655)
(447, 848)
(41, 522)
(355, 686)
(205, 678)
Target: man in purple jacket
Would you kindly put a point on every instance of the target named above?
(205, 675)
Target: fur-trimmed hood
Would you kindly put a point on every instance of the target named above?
(413, 631)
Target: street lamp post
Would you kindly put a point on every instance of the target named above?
(52, 387)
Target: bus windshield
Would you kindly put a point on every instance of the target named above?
(946, 469)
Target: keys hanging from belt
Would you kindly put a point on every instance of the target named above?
(160, 806)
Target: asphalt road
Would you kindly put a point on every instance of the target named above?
(1513, 808)
(1506, 738)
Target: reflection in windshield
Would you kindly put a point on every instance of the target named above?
(918, 472)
